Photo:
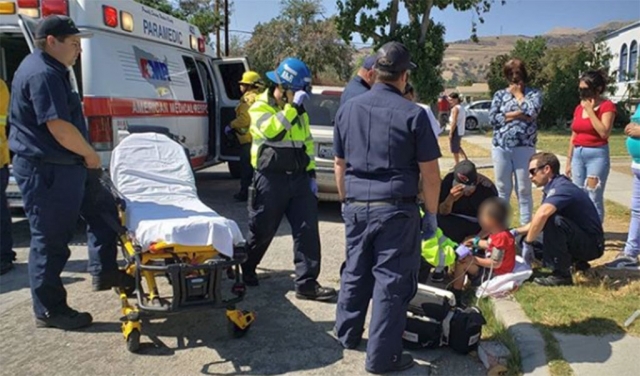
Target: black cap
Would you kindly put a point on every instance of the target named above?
(394, 57)
(465, 173)
(58, 26)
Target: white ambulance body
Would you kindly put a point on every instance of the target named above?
(142, 68)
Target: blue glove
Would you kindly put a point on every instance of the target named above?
(514, 232)
(299, 97)
(314, 186)
(463, 251)
(228, 130)
(527, 253)
(429, 226)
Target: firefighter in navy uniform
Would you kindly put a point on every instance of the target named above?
(284, 183)
(383, 143)
(251, 85)
(57, 172)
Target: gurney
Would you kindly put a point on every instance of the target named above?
(166, 231)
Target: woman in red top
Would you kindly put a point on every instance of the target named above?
(588, 157)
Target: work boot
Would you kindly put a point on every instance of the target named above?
(115, 278)
(403, 363)
(65, 319)
(581, 266)
(5, 266)
(437, 276)
(554, 280)
(321, 294)
(250, 279)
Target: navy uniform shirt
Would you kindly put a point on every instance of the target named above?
(382, 137)
(40, 92)
(355, 87)
(573, 203)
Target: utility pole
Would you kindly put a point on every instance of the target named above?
(217, 10)
(226, 27)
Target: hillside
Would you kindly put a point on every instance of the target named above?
(467, 60)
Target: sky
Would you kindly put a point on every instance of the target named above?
(516, 17)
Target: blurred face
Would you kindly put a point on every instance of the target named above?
(539, 175)
(485, 220)
(452, 101)
(66, 52)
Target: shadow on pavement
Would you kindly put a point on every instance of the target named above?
(18, 278)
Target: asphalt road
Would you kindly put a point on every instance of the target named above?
(288, 337)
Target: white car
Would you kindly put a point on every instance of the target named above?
(322, 108)
(478, 115)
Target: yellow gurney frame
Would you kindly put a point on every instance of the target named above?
(195, 276)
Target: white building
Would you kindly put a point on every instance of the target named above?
(623, 45)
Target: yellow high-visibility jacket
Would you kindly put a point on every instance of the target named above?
(279, 128)
(4, 108)
(439, 251)
(242, 122)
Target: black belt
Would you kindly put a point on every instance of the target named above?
(389, 201)
(71, 161)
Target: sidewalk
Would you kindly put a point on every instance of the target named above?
(613, 354)
(618, 187)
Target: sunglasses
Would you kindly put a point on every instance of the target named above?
(533, 171)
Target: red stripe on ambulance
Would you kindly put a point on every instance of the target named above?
(133, 107)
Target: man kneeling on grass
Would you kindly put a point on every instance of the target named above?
(568, 220)
(497, 252)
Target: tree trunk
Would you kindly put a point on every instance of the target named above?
(426, 21)
(393, 18)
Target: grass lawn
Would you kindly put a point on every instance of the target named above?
(472, 150)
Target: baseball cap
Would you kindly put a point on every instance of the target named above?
(394, 57)
(58, 26)
(465, 173)
(369, 62)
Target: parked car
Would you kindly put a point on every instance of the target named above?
(322, 108)
(478, 114)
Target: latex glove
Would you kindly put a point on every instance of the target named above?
(429, 226)
(463, 251)
(299, 97)
(527, 253)
(514, 232)
(228, 130)
(314, 186)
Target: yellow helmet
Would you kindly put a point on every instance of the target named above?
(251, 78)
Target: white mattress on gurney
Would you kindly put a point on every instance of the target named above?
(153, 173)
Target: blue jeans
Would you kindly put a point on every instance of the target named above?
(632, 248)
(506, 164)
(591, 162)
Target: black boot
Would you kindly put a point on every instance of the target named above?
(555, 279)
(66, 319)
(321, 294)
(404, 362)
(115, 278)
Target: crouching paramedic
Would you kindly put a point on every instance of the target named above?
(284, 183)
(51, 164)
(438, 253)
(250, 85)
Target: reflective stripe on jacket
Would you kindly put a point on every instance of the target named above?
(281, 130)
(439, 251)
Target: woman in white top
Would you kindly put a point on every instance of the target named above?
(457, 121)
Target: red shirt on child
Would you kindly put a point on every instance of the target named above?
(507, 243)
(586, 135)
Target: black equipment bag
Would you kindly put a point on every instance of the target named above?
(422, 332)
(462, 329)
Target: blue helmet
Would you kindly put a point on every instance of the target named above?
(292, 74)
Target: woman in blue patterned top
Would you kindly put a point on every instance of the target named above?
(513, 115)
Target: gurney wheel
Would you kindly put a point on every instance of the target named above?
(133, 341)
(235, 331)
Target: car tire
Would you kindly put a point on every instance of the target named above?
(471, 123)
(234, 169)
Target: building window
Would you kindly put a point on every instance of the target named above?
(633, 60)
(622, 72)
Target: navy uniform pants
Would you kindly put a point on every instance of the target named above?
(54, 197)
(382, 263)
(6, 239)
(246, 168)
(278, 195)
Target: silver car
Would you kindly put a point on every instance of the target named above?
(322, 108)
(478, 115)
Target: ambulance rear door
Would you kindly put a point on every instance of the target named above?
(228, 72)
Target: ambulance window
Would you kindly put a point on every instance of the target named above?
(232, 73)
(194, 78)
(205, 73)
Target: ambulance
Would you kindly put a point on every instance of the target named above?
(142, 70)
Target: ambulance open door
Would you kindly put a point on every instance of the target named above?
(228, 72)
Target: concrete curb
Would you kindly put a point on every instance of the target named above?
(528, 339)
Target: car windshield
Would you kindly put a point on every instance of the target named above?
(322, 109)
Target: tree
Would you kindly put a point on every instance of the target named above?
(423, 38)
(236, 46)
(299, 32)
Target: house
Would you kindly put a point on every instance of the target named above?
(623, 45)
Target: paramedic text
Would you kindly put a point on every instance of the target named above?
(162, 32)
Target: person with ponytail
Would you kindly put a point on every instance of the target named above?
(588, 160)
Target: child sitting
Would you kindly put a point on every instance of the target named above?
(499, 247)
